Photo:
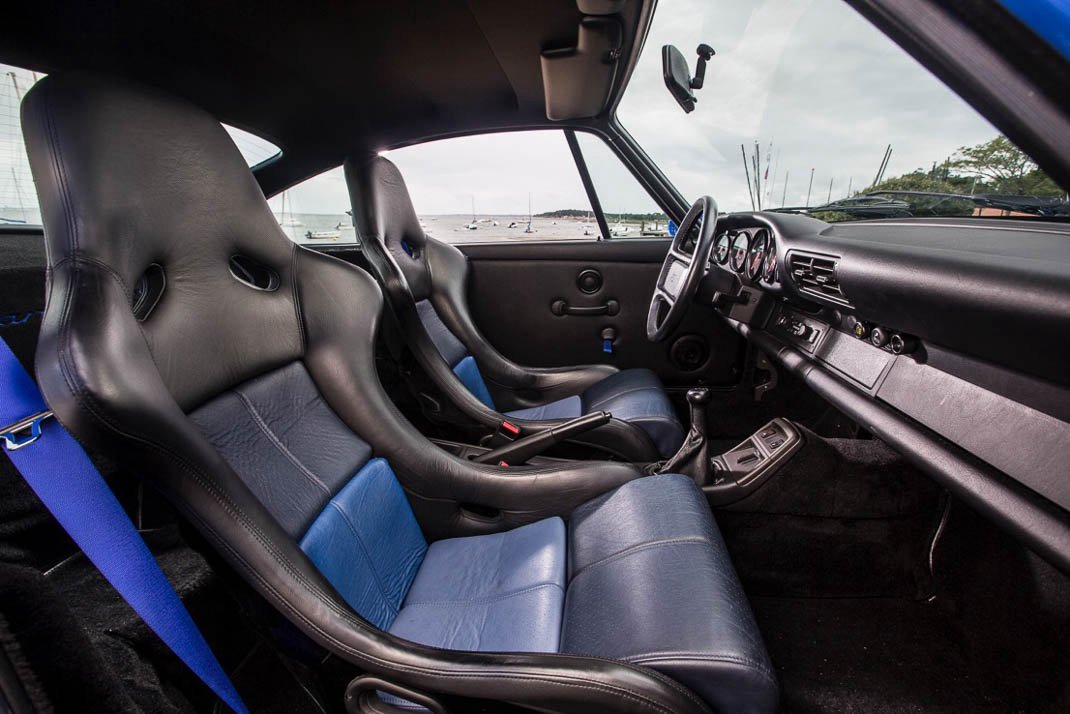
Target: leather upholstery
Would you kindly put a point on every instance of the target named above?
(499, 593)
(637, 397)
(634, 395)
(426, 285)
(284, 442)
(690, 619)
(367, 543)
(128, 178)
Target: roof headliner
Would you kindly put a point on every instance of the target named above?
(318, 78)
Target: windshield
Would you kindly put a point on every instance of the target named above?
(808, 108)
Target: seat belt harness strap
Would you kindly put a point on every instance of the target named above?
(59, 472)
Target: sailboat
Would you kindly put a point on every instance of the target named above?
(619, 229)
(290, 222)
(529, 229)
(474, 225)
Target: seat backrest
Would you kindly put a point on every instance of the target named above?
(424, 279)
(181, 299)
(189, 341)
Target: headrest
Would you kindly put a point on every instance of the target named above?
(386, 221)
(151, 192)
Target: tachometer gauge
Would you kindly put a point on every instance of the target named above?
(756, 256)
(738, 254)
(769, 272)
(722, 248)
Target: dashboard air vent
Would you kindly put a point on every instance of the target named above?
(816, 275)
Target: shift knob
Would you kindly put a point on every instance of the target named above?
(698, 395)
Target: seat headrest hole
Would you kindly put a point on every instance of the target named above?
(253, 273)
(410, 250)
(147, 291)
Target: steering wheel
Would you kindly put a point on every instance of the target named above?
(682, 271)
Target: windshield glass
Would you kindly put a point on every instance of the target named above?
(807, 107)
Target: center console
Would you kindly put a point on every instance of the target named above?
(737, 472)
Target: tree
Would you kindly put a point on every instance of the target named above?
(1004, 169)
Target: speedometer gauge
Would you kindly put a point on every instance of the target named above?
(721, 249)
(759, 244)
(769, 272)
(738, 255)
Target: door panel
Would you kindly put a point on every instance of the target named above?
(513, 286)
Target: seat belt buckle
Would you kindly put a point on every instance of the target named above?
(506, 433)
(23, 432)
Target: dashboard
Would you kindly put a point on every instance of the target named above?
(948, 338)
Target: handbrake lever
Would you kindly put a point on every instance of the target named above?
(519, 451)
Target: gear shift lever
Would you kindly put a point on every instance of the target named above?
(692, 458)
(698, 399)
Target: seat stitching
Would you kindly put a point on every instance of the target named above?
(483, 600)
(689, 540)
(86, 400)
(367, 556)
(656, 658)
(259, 421)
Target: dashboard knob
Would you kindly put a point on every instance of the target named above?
(879, 337)
(860, 330)
(903, 344)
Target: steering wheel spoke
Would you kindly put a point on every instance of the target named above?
(667, 310)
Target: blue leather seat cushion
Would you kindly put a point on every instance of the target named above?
(567, 408)
(638, 397)
(494, 593)
(634, 395)
(651, 583)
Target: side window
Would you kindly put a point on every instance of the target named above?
(316, 211)
(520, 185)
(630, 211)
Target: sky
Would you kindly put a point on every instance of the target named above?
(811, 78)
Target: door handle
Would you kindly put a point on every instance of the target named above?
(561, 307)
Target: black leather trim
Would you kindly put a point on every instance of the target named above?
(122, 390)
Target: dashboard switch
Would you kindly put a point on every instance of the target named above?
(878, 337)
(903, 344)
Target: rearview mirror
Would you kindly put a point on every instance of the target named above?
(678, 78)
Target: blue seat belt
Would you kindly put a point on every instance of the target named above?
(63, 477)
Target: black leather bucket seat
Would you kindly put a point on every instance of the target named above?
(189, 340)
(426, 281)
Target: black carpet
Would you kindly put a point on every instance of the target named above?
(835, 557)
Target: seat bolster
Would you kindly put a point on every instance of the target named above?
(651, 583)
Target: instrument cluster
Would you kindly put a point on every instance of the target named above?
(750, 252)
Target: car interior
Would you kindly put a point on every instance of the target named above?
(652, 454)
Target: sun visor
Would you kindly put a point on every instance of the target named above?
(577, 80)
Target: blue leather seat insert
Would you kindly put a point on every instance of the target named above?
(468, 372)
(453, 352)
(690, 618)
(494, 593)
(285, 443)
(367, 543)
